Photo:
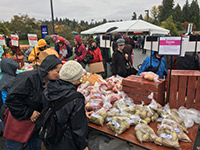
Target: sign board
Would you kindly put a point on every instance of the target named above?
(14, 40)
(2, 40)
(105, 41)
(32, 39)
(147, 44)
(189, 30)
(170, 46)
(44, 31)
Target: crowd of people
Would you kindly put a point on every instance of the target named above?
(25, 95)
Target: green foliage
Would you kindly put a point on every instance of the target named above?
(22, 25)
(170, 25)
(194, 16)
(166, 9)
(185, 11)
(177, 15)
(4, 30)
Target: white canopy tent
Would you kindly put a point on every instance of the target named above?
(128, 26)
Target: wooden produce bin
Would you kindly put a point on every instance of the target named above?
(139, 89)
(184, 89)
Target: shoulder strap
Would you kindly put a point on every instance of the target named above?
(158, 65)
(68, 99)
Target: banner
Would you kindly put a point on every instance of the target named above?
(14, 40)
(32, 39)
(2, 40)
(44, 31)
(170, 46)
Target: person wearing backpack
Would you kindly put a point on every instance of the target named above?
(154, 63)
(71, 116)
(9, 68)
(24, 98)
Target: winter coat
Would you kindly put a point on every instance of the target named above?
(1, 53)
(189, 62)
(97, 57)
(34, 54)
(8, 67)
(25, 95)
(128, 49)
(119, 64)
(72, 113)
(69, 50)
(80, 53)
(155, 62)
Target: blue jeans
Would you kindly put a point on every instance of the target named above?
(33, 143)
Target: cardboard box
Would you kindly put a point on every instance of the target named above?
(139, 89)
(96, 67)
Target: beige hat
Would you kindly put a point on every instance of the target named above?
(71, 71)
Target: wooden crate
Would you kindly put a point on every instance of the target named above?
(139, 89)
(184, 89)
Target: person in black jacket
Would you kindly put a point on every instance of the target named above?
(24, 98)
(120, 63)
(9, 68)
(73, 113)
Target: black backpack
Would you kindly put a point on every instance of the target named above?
(47, 127)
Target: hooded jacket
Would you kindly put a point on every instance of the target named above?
(155, 62)
(80, 49)
(72, 113)
(1, 53)
(25, 95)
(96, 52)
(8, 67)
(36, 51)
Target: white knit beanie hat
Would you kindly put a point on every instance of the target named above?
(71, 71)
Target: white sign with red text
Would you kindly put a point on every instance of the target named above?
(170, 46)
(14, 40)
(32, 39)
(2, 40)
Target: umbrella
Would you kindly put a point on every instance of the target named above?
(74, 32)
(111, 29)
(55, 37)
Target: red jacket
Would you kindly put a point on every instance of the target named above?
(80, 49)
(97, 57)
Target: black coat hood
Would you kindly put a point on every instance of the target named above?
(58, 90)
(8, 67)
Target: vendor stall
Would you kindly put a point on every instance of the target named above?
(134, 121)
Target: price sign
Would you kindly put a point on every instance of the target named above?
(32, 39)
(2, 40)
(14, 40)
(170, 46)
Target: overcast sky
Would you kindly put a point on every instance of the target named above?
(78, 9)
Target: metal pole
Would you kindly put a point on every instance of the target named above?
(52, 16)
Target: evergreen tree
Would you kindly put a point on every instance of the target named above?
(140, 17)
(134, 17)
(167, 9)
(185, 11)
(194, 14)
(177, 14)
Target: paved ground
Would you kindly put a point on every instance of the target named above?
(138, 59)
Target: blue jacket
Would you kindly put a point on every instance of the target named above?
(1, 53)
(155, 62)
(69, 50)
